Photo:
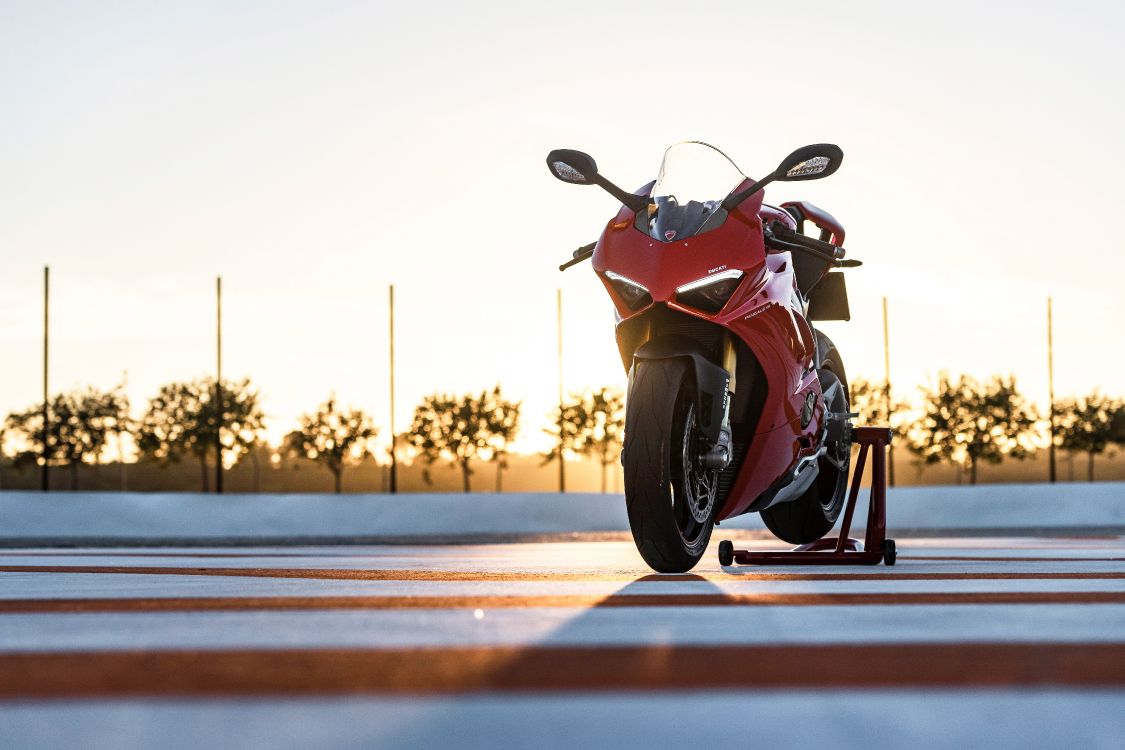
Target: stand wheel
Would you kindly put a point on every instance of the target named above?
(726, 553)
(889, 552)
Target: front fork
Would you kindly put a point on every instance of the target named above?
(719, 456)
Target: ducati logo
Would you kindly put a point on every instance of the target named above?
(670, 234)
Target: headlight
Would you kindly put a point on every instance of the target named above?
(710, 293)
(633, 294)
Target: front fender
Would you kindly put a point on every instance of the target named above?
(711, 380)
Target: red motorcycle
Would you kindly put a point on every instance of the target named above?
(736, 404)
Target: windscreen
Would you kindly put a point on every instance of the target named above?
(694, 179)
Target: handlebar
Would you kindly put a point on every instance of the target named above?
(579, 255)
(784, 237)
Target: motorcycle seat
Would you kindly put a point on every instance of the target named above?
(808, 269)
(831, 230)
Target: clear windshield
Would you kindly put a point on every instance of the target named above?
(694, 179)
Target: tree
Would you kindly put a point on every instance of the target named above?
(183, 419)
(1086, 425)
(503, 420)
(332, 437)
(868, 398)
(80, 426)
(592, 424)
(1117, 426)
(966, 423)
(461, 428)
(3, 451)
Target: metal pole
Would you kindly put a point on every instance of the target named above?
(1052, 476)
(120, 443)
(562, 464)
(219, 384)
(887, 382)
(44, 479)
(394, 456)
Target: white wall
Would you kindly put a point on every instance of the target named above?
(133, 516)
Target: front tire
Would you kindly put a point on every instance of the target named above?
(669, 496)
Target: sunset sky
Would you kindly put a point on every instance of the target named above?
(313, 153)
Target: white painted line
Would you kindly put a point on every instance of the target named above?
(89, 586)
(564, 626)
(932, 719)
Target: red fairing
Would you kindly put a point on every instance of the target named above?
(764, 312)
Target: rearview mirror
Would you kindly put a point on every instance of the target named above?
(810, 163)
(574, 167)
(806, 163)
(578, 168)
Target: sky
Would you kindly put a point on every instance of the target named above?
(314, 153)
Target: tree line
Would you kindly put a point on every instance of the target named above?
(201, 420)
(966, 422)
(958, 421)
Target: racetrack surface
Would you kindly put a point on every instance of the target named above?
(975, 642)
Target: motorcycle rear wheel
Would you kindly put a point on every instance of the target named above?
(813, 514)
(669, 495)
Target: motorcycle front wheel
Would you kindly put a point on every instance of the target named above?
(669, 494)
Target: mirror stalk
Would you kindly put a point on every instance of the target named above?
(732, 201)
(806, 163)
(632, 201)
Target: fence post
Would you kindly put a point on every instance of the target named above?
(45, 477)
(219, 384)
(394, 446)
(1052, 476)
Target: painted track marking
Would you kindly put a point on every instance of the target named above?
(423, 671)
(202, 604)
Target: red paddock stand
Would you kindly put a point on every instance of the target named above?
(843, 550)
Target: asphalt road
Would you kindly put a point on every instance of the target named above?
(965, 643)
